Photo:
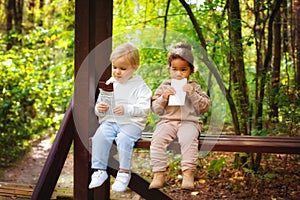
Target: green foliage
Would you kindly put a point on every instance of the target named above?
(262, 132)
(216, 166)
(289, 104)
(254, 175)
(36, 86)
(269, 176)
(174, 167)
(154, 64)
(151, 122)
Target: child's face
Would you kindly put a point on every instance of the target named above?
(122, 70)
(179, 69)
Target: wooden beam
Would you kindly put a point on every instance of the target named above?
(56, 158)
(93, 27)
(82, 49)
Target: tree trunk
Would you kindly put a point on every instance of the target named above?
(275, 81)
(166, 23)
(238, 75)
(41, 6)
(285, 27)
(14, 17)
(9, 23)
(265, 69)
(263, 78)
(259, 33)
(194, 22)
(18, 15)
(31, 6)
(259, 41)
(297, 35)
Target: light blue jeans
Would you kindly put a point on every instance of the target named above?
(125, 136)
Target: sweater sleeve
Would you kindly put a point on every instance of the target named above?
(199, 99)
(158, 102)
(142, 106)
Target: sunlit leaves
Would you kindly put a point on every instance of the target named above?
(36, 83)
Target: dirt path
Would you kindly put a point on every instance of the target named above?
(27, 170)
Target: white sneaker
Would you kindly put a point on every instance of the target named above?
(98, 178)
(121, 182)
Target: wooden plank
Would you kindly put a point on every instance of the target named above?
(250, 138)
(56, 158)
(251, 147)
(250, 144)
(15, 190)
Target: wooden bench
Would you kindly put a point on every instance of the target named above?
(222, 143)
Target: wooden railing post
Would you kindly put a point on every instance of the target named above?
(93, 26)
(56, 158)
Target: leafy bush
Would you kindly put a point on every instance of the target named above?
(36, 86)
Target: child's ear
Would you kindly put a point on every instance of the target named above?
(135, 67)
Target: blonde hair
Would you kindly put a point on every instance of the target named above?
(183, 51)
(128, 50)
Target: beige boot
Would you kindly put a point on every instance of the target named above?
(188, 179)
(158, 180)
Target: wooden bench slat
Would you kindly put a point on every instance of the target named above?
(250, 138)
(252, 147)
(249, 144)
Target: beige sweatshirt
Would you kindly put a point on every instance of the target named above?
(195, 104)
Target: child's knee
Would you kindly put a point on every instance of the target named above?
(124, 141)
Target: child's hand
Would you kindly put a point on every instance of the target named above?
(102, 107)
(119, 110)
(168, 92)
(189, 89)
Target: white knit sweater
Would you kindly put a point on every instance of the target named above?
(134, 95)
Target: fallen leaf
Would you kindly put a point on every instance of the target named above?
(202, 181)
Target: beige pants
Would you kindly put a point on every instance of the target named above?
(165, 133)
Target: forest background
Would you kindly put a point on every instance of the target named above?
(254, 45)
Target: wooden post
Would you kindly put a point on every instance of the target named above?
(56, 159)
(93, 26)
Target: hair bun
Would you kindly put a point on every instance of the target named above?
(182, 45)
